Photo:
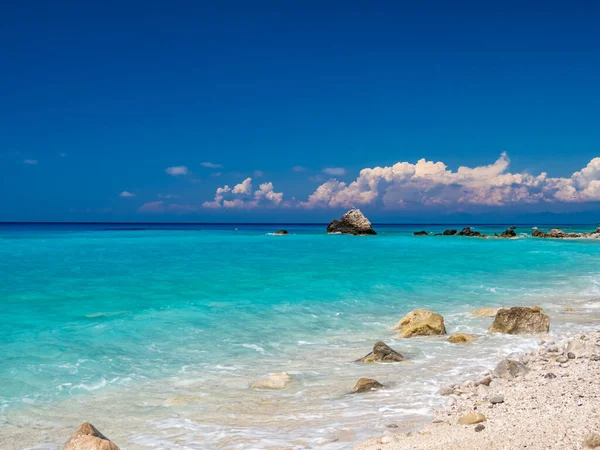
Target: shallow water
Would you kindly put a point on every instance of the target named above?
(154, 335)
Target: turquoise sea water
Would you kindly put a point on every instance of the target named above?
(155, 334)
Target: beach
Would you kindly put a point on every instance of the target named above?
(156, 336)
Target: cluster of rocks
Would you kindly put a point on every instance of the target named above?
(470, 232)
(557, 233)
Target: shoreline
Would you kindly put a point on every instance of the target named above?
(551, 403)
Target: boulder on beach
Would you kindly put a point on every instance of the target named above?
(509, 368)
(420, 322)
(583, 347)
(87, 437)
(420, 233)
(382, 353)
(520, 320)
(450, 232)
(485, 312)
(461, 338)
(366, 385)
(281, 232)
(274, 381)
(471, 419)
(353, 222)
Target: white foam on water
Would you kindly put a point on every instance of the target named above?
(254, 347)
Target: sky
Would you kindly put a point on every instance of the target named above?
(271, 111)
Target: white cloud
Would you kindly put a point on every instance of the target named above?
(432, 183)
(212, 165)
(31, 161)
(242, 196)
(299, 169)
(335, 171)
(177, 170)
(127, 194)
(152, 207)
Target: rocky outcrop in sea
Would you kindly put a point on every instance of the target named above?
(353, 222)
(557, 233)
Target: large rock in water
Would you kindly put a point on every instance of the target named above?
(382, 353)
(366, 385)
(353, 222)
(520, 320)
(420, 322)
(87, 437)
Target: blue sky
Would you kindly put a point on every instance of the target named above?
(99, 100)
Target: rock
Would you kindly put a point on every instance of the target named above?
(482, 391)
(583, 347)
(569, 310)
(366, 385)
(486, 312)
(512, 227)
(274, 381)
(494, 400)
(449, 232)
(382, 353)
(537, 233)
(446, 390)
(460, 338)
(420, 233)
(520, 320)
(420, 322)
(281, 232)
(480, 427)
(571, 355)
(472, 419)
(562, 359)
(353, 222)
(87, 437)
(591, 441)
(468, 231)
(536, 308)
(509, 233)
(509, 368)
(550, 376)
(485, 381)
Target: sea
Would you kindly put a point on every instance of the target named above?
(155, 332)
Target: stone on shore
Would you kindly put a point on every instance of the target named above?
(353, 222)
(471, 419)
(87, 437)
(461, 338)
(591, 442)
(583, 347)
(486, 312)
(496, 399)
(382, 353)
(281, 232)
(520, 320)
(421, 322)
(366, 385)
(274, 381)
(509, 369)
(420, 233)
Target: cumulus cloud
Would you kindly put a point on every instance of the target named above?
(152, 207)
(212, 165)
(31, 161)
(243, 196)
(127, 194)
(335, 171)
(432, 183)
(177, 170)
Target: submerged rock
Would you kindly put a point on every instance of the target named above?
(472, 419)
(281, 232)
(450, 232)
(486, 312)
(420, 322)
(520, 320)
(87, 437)
(382, 353)
(366, 385)
(461, 338)
(353, 222)
(274, 381)
(509, 368)
(420, 233)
